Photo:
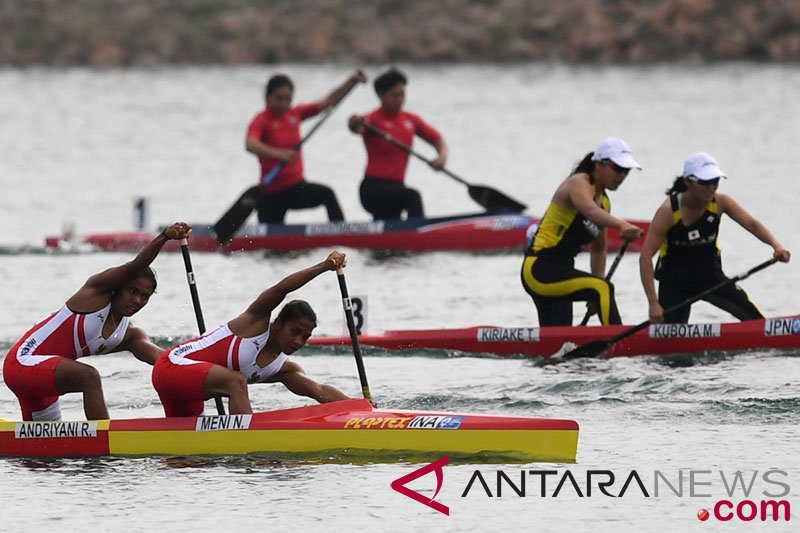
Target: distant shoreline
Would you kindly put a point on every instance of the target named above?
(114, 33)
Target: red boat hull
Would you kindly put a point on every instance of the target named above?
(661, 339)
(469, 233)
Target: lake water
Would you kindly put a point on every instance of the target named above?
(80, 145)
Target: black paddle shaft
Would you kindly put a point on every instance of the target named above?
(611, 271)
(491, 199)
(595, 348)
(187, 262)
(235, 216)
(351, 327)
(198, 312)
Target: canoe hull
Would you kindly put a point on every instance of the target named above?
(351, 429)
(663, 339)
(481, 232)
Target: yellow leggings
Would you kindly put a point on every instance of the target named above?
(555, 285)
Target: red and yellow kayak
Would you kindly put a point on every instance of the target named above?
(352, 428)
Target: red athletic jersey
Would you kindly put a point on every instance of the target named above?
(29, 369)
(385, 160)
(281, 131)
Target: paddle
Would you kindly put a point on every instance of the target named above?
(198, 312)
(490, 199)
(351, 326)
(611, 271)
(595, 348)
(237, 214)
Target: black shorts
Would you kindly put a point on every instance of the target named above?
(387, 199)
(730, 298)
(272, 207)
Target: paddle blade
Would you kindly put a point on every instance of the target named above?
(234, 217)
(590, 349)
(494, 200)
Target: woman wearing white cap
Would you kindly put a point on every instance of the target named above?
(578, 214)
(685, 230)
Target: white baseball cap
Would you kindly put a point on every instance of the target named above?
(617, 151)
(703, 167)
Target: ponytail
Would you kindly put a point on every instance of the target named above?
(679, 185)
(586, 165)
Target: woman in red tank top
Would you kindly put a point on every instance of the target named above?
(43, 364)
(383, 192)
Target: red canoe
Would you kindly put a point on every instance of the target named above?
(658, 339)
(475, 232)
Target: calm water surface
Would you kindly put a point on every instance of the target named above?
(79, 145)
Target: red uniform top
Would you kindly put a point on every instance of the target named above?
(385, 160)
(281, 131)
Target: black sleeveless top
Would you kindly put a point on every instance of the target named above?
(690, 252)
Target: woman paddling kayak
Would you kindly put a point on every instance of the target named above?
(383, 191)
(42, 365)
(578, 214)
(274, 135)
(684, 230)
(248, 349)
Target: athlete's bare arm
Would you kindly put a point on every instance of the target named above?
(295, 379)
(257, 316)
(139, 344)
(96, 292)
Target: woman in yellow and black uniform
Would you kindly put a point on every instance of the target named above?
(684, 232)
(578, 214)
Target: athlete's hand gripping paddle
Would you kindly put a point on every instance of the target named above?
(595, 348)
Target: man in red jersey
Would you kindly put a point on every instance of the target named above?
(383, 193)
(273, 136)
